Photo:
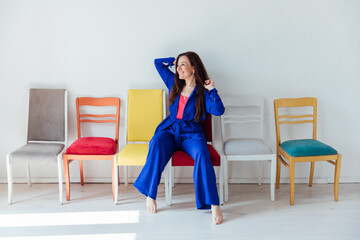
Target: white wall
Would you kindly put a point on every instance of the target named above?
(263, 48)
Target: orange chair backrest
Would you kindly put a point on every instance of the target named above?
(98, 118)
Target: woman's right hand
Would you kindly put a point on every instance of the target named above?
(166, 64)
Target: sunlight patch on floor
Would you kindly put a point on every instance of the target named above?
(118, 236)
(69, 218)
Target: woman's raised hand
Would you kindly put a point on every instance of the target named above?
(209, 84)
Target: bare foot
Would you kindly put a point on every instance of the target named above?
(217, 215)
(151, 205)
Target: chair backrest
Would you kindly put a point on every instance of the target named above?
(207, 127)
(47, 121)
(145, 111)
(104, 117)
(243, 117)
(289, 117)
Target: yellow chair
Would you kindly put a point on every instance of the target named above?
(301, 150)
(145, 110)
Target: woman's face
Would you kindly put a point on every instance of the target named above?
(184, 68)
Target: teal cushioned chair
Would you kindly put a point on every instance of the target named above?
(302, 150)
(307, 147)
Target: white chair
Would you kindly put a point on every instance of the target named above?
(46, 135)
(242, 137)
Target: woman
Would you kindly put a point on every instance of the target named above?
(191, 96)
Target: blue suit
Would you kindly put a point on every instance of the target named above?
(185, 134)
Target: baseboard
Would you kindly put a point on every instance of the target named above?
(186, 180)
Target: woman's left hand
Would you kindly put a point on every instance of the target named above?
(209, 84)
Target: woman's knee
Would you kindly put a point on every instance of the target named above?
(161, 136)
(200, 154)
(161, 141)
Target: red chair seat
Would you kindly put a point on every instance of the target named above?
(180, 158)
(93, 146)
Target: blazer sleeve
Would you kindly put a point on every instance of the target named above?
(162, 66)
(214, 104)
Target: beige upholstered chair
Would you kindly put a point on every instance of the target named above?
(47, 135)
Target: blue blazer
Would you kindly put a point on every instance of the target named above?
(212, 102)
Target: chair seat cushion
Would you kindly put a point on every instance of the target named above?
(92, 146)
(133, 155)
(181, 158)
(307, 147)
(249, 146)
(37, 153)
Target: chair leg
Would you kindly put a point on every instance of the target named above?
(126, 176)
(221, 183)
(226, 179)
(337, 177)
(292, 181)
(118, 169)
(81, 173)
(278, 171)
(113, 180)
(116, 176)
(172, 169)
(170, 182)
(260, 167)
(272, 177)
(67, 177)
(167, 183)
(59, 158)
(28, 174)
(312, 167)
(10, 179)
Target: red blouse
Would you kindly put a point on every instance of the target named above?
(181, 106)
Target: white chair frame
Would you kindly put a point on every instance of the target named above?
(245, 119)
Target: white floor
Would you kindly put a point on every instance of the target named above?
(249, 214)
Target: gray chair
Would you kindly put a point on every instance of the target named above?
(46, 135)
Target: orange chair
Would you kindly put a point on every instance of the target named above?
(93, 148)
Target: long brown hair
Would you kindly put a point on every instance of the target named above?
(200, 77)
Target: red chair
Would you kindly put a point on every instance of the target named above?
(93, 148)
(182, 159)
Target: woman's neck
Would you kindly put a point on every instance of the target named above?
(190, 83)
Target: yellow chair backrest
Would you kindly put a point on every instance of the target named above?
(144, 113)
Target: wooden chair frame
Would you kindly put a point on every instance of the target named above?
(282, 155)
(93, 118)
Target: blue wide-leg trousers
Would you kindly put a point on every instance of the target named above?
(161, 147)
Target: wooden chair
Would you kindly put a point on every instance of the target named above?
(46, 135)
(144, 112)
(242, 137)
(302, 150)
(93, 148)
(182, 159)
